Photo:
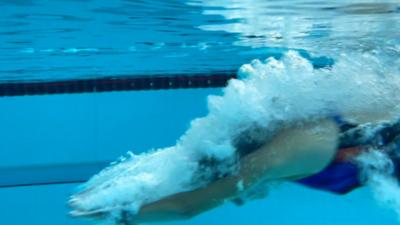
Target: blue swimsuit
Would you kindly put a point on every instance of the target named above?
(340, 177)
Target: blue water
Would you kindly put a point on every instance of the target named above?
(48, 40)
(69, 39)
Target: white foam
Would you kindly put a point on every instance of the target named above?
(270, 92)
(378, 170)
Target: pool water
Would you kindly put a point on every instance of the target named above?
(50, 143)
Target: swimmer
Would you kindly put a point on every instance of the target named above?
(317, 153)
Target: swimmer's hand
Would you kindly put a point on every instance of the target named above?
(180, 206)
(96, 215)
(174, 207)
(116, 216)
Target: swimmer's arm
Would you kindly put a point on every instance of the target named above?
(186, 205)
(302, 152)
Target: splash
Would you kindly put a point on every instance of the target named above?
(377, 171)
(270, 93)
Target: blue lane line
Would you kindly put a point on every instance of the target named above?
(49, 174)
